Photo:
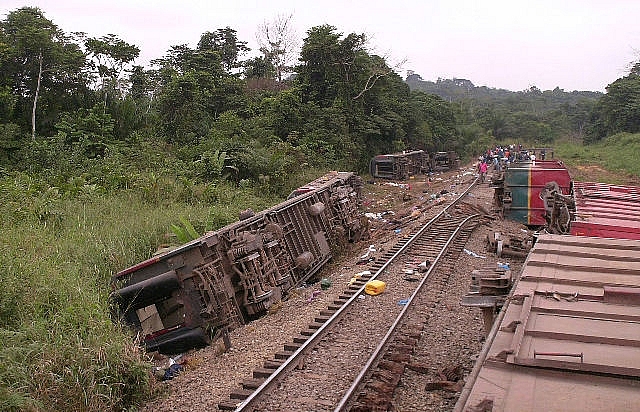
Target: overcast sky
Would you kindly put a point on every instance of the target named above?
(509, 44)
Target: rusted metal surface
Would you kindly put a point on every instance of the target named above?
(509, 244)
(400, 166)
(179, 299)
(488, 291)
(605, 210)
(568, 338)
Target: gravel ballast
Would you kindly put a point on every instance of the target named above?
(211, 374)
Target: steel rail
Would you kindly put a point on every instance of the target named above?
(293, 360)
(376, 353)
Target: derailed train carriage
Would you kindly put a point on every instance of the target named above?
(536, 193)
(181, 298)
(400, 166)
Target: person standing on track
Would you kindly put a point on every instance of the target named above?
(483, 171)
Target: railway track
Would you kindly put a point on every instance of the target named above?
(363, 342)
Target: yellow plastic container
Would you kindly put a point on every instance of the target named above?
(374, 287)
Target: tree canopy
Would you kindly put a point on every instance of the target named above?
(342, 105)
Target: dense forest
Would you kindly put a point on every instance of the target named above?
(100, 156)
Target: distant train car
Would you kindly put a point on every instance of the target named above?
(444, 161)
(179, 299)
(400, 166)
(525, 192)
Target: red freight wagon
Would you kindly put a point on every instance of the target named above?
(606, 211)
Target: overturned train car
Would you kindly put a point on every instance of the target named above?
(536, 193)
(179, 299)
(400, 166)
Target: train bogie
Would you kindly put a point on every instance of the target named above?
(178, 299)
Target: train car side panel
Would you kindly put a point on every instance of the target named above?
(176, 300)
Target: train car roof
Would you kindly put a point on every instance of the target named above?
(568, 338)
(538, 165)
(605, 210)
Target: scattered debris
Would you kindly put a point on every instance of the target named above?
(366, 258)
(450, 380)
(474, 254)
(172, 372)
(400, 185)
(313, 295)
(488, 291)
(275, 307)
(509, 245)
(168, 368)
(325, 283)
(424, 266)
(358, 276)
(365, 261)
(371, 249)
(374, 287)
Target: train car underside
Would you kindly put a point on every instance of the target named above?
(181, 298)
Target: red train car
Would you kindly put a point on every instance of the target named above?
(607, 211)
(524, 191)
(567, 338)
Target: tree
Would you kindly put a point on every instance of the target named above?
(90, 130)
(433, 121)
(259, 67)
(197, 85)
(619, 109)
(330, 64)
(493, 120)
(621, 105)
(110, 56)
(224, 42)
(279, 44)
(39, 56)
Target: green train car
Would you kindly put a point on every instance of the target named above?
(524, 192)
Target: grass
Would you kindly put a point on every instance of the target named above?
(613, 160)
(59, 349)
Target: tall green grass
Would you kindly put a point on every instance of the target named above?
(59, 349)
(618, 156)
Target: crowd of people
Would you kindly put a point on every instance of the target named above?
(500, 157)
